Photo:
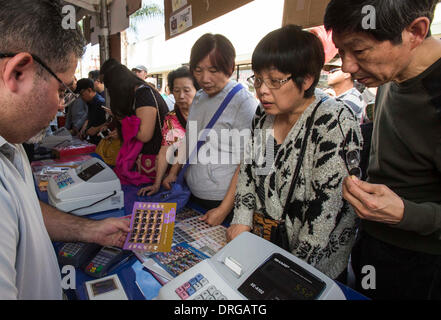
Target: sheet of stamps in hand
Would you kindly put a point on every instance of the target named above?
(152, 227)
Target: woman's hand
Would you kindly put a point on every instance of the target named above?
(236, 229)
(82, 135)
(150, 190)
(113, 135)
(168, 181)
(215, 217)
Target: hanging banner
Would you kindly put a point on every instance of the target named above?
(184, 15)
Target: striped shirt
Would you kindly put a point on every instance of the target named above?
(355, 101)
(28, 264)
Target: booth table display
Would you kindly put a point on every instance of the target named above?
(137, 281)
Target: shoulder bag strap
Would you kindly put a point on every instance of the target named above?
(309, 124)
(210, 125)
(156, 103)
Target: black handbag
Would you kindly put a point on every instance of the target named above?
(275, 230)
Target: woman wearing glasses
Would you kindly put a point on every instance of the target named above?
(295, 116)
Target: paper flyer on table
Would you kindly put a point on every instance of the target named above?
(156, 268)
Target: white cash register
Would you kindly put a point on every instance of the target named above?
(252, 268)
(91, 187)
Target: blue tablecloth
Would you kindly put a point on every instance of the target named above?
(138, 282)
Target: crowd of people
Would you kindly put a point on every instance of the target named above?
(346, 200)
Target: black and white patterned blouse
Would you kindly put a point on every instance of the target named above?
(321, 225)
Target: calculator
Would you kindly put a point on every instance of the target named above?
(201, 282)
(104, 260)
(77, 253)
(200, 288)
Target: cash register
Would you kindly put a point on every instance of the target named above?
(91, 187)
(251, 268)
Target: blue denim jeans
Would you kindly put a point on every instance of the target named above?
(400, 273)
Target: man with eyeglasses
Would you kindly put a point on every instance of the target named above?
(400, 204)
(38, 59)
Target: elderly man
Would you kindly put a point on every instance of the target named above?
(38, 59)
(400, 204)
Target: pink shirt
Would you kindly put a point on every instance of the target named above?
(172, 131)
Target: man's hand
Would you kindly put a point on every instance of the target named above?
(108, 111)
(108, 232)
(215, 217)
(65, 227)
(236, 229)
(373, 202)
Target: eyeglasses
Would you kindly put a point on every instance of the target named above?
(352, 158)
(270, 83)
(67, 97)
(334, 70)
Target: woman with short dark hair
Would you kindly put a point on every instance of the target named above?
(212, 184)
(181, 73)
(293, 116)
(219, 50)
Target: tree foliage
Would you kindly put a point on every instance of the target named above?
(147, 11)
